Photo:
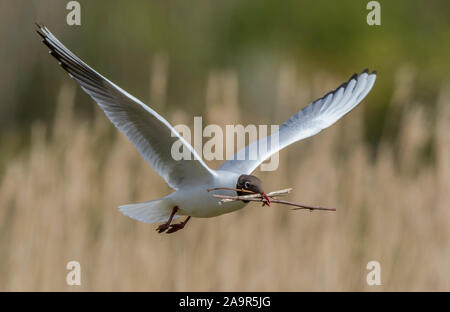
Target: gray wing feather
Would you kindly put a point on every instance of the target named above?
(315, 117)
(150, 133)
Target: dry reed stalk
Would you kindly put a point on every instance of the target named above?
(58, 203)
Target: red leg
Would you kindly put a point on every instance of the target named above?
(166, 225)
(178, 226)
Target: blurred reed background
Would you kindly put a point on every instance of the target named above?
(386, 167)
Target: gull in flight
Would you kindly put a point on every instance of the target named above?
(152, 136)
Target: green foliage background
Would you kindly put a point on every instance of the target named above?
(251, 37)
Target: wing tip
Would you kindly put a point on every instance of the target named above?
(366, 71)
(40, 28)
(44, 33)
(344, 85)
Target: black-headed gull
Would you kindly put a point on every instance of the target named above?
(151, 135)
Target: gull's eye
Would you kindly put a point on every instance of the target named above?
(247, 184)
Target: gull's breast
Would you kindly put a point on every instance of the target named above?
(196, 201)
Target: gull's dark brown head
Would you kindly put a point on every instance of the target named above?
(250, 183)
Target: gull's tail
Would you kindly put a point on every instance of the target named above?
(157, 210)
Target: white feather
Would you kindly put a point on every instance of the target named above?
(150, 133)
(315, 117)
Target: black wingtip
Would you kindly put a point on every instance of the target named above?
(354, 76)
(39, 29)
(39, 26)
(374, 72)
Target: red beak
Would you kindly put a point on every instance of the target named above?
(266, 198)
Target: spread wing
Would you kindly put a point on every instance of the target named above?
(150, 133)
(315, 117)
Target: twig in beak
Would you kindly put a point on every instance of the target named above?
(259, 198)
(252, 194)
(267, 200)
(230, 189)
(301, 206)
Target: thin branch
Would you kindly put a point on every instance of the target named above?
(254, 197)
(229, 189)
(301, 206)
